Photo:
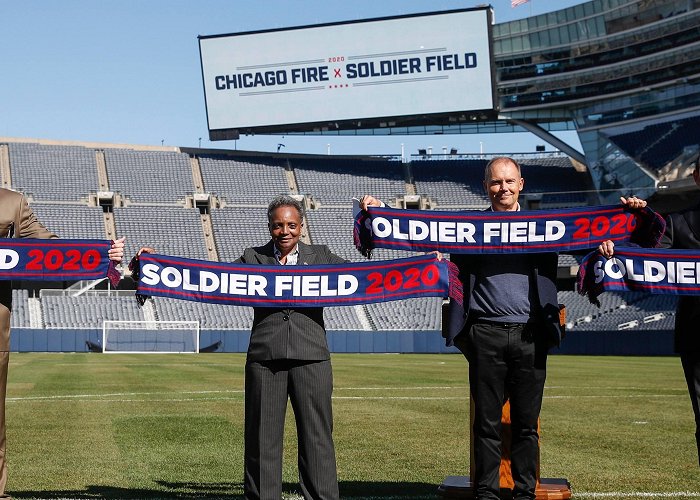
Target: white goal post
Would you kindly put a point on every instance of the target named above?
(150, 336)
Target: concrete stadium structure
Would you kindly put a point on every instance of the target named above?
(211, 205)
(625, 75)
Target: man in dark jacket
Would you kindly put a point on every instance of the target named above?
(508, 321)
(683, 232)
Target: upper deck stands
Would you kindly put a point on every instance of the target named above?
(149, 176)
(452, 183)
(71, 221)
(170, 230)
(337, 181)
(244, 180)
(236, 229)
(53, 173)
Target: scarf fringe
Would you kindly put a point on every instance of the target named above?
(650, 228)
(113, 274)
(362, 234)
(456, 291)
(585, 280)
(135, 268)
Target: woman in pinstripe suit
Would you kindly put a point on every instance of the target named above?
(288, 358)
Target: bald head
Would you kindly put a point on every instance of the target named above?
(503, 183)
(497, 160)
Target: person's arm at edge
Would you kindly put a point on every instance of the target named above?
(607, 248)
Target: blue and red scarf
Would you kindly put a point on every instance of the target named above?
(504, 232)
(658, 271)
(56, 260)
(292, 286)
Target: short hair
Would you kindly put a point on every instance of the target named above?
(497, 159)
(284, 200)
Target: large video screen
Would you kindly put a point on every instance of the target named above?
(298, 78)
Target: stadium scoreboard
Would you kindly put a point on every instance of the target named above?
(416, 69)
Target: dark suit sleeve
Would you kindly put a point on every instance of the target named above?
(248, 257)
(454, 313)
(667, 237)
(332, 258)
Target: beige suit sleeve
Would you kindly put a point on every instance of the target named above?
(28, 226)
(18, 220)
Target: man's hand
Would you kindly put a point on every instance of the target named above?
(607, 248)
(145, 250)
(369, 201)
(633, 202)
(116, 251)
(437, 254)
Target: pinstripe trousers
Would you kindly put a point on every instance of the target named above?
(309, 386)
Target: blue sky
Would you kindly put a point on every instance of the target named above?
(128, 71)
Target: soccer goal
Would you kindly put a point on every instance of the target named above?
(150, 336)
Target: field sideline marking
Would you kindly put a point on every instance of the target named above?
(230, 391)
(100, 397)
(88, 396)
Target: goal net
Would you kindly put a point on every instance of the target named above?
(150, 336)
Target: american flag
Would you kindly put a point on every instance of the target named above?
(515, 3)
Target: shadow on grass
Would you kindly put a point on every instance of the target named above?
(219, 491)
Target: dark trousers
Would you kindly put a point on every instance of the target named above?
(505, 362)
(691, 369)
(309, 386)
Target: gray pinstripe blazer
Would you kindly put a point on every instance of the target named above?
(289, 333)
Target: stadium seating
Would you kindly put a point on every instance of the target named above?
(337, 181)
(170, 230)
(149, 176)
(451, 183)
(237, 228)
(88, 310)
(53, 173)
(411, 314)
(619, 308)
(459, 183)
(71, 221)
(334, 227)
(342, 318)
(244, 180)
(556, 179)
(210, 316)
(155, 183)
(20, 309)
(657, 144)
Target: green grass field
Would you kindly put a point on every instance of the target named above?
(171, 426)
